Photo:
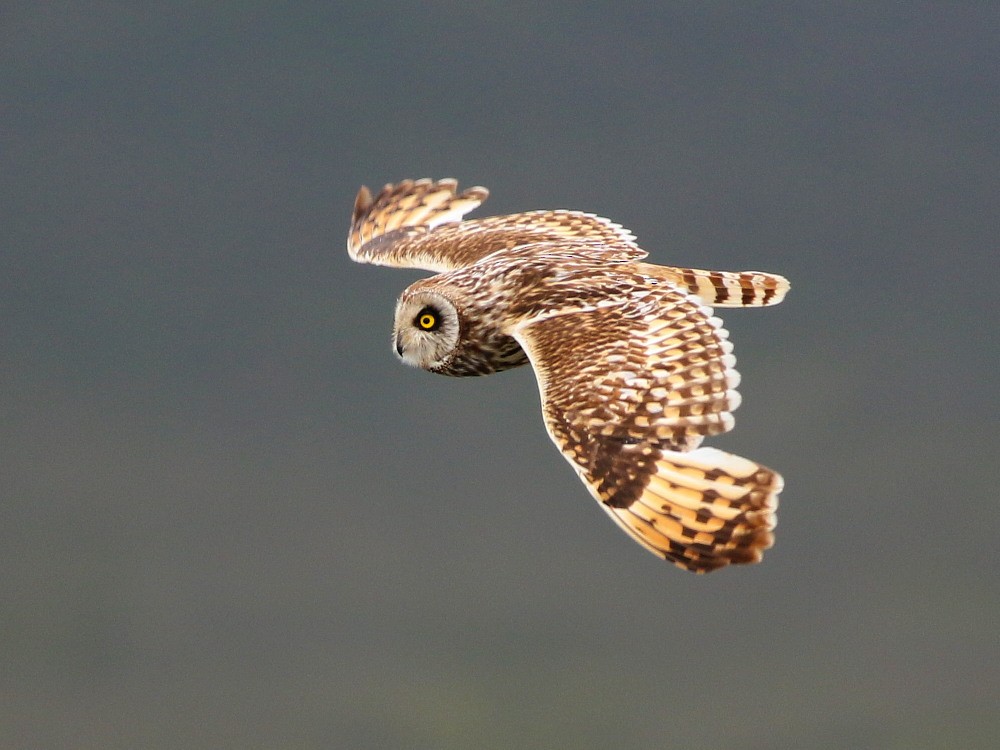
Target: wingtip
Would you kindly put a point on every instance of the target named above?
(477, 192)
(362, 203)
(704, 510)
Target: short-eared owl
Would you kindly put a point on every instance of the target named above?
(633, 368)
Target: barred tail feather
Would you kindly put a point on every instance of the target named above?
(704, 509)
(731, 288)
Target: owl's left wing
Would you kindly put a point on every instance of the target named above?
(408, 208)
(416, 224)
(629, 387)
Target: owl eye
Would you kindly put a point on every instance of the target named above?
(427, 320)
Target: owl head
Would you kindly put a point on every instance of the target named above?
(426, 332)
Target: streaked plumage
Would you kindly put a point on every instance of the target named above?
(633, 368)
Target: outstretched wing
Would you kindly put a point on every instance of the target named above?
(416, 224)
(628, 391)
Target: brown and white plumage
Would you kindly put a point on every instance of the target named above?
(633, 368)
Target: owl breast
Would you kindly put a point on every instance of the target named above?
(484, 354)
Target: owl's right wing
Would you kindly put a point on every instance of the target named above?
(628, 390)
(417, 224)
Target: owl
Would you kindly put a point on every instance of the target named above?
(633, 369)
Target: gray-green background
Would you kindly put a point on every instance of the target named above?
(230, 518)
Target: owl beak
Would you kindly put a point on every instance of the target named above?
(399, 346)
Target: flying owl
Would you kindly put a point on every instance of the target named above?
(632, 367)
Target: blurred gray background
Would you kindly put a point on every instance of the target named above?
(230, 518)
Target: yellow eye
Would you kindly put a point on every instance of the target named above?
(427, 320)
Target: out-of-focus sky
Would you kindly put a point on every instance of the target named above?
(230, 518)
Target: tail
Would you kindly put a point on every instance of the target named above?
(407, 204)
(704, 509)
(727, 288)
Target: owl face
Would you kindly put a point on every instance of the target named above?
(426, 331)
